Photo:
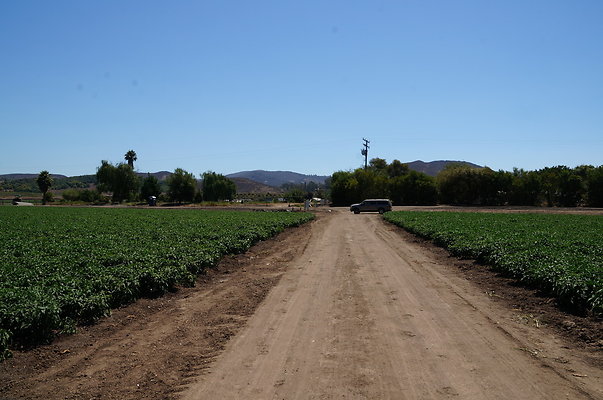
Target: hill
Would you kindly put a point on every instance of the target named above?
(432, 168)
(27, 182)
(278, 178)
(256, 181)
(13, 177)
(161, 175)
(245, 185)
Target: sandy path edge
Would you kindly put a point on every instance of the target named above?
(364, 314)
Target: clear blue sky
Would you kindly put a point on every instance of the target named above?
(232, 85)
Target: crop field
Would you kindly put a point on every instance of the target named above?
(63, 266)
(560, 254)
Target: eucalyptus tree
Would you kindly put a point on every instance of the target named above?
(119, 179)
(181, 186)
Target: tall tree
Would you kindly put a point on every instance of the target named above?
(396, 168)
(119, 179)
(150, 187)
(130, 157)
(378, 165)
(217, 187)
(595, 187)
(561, 186)
(413, 188)
(344, 188)
(182, 185)
(525, 188)
(44, 182)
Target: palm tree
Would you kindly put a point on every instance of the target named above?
(44, 182)
(130, 156)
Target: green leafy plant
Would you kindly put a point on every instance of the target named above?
(60, 267)
(560, 254)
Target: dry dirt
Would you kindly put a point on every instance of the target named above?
(345, 307)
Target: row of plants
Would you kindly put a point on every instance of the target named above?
(562, 255)
(60, 267)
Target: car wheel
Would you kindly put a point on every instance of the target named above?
(356, 211)
(381, 211)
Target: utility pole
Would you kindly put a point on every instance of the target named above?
(364, 151)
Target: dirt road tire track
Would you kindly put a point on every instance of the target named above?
(364, 314)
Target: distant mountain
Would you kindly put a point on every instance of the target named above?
(245, 185)
(277, 178)
(27, 182)
(432, 168)
(161, 175)
(257, 181)
(12, 177)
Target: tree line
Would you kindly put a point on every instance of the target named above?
(124, 184)
(30, 184)
(459, 184)
(382, 180)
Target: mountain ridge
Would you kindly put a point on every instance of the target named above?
(261, 180)
(278, 178)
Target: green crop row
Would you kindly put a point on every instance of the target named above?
(560, 254)
(60, 267)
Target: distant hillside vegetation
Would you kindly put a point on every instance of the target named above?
(257, 181)
(27, 182)
(161, 175)
(278, 178)
(432, 168)
(12, 177)
(245, 185)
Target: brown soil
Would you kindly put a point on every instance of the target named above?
(345, 307)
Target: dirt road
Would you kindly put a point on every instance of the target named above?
(363, 314)
(345, 307)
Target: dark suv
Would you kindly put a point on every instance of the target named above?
(379, 205)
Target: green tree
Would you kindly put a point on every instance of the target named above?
(150, 187)
(458, 184)
(217, 187)
(85, 195)
(344, 187)
(463, 184)
(382, 180)
(413, 188)
(495, 187)
(594, 184)
(120, 180)
(130, 157)
(525, 188)
(396, 168)
(571, 189)
(295, 195)
(372, 184)
(562, 186)
(181, 186)
(44, 182)
(378, 165)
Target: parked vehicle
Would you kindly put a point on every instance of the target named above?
(375, 205)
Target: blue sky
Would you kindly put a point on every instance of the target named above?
(295, 85)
